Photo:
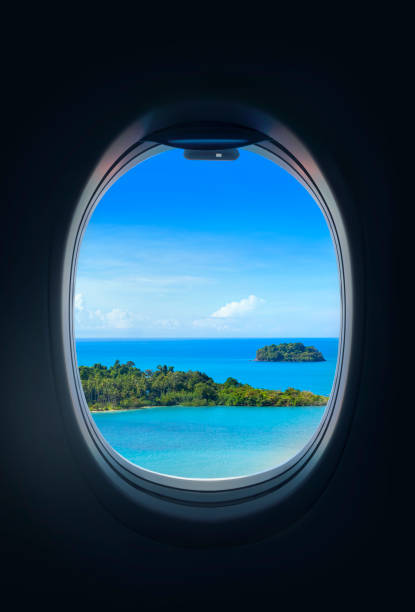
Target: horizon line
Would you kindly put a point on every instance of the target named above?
(206, 338)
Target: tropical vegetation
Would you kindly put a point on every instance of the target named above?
(291, 351)
(124, 386)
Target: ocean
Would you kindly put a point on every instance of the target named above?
(213, 442)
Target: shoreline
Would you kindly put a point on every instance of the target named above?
(214, 406)
(128, 409)
(289, 360)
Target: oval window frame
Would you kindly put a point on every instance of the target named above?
(211, 504)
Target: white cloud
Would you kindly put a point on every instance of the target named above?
(96, 319)
(118, 319)
(79, 301)
(237, 309)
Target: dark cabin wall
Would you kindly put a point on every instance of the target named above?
(58, 541)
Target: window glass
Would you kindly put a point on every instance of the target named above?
(207, 313)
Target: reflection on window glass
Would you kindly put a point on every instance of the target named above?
(207, 315)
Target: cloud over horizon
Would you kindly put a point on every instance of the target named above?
(97, 319)
(237, 309)
(87, 319)
(79, 301)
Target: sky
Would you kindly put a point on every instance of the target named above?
(179, 248)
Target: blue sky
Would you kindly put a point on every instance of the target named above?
(180, 248)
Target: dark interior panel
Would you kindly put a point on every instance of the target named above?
(59, 541)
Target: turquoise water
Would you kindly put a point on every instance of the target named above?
(210, 442)
(218, 441)
(220, 358)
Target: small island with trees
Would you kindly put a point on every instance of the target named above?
(123, 386)
(292, 351)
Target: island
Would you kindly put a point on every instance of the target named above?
(123, 386)
(291, 351)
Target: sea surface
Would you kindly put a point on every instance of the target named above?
(218, 441)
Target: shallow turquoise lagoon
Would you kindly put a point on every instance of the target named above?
(214, 442)
(210, 442)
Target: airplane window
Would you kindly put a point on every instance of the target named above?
(207, 315)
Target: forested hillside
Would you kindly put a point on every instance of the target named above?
(125, 386)
(291, 351)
